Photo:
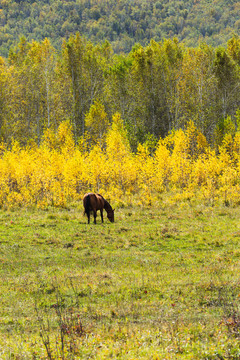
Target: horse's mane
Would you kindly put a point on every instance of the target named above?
(107, 206)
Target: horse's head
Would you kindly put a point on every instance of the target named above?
(110, 215)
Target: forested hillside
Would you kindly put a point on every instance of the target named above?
(155, 89)
(122, 22)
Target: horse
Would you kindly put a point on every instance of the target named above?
(94, 202)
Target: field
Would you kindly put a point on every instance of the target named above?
(162, 282)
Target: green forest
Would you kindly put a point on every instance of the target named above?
(155, 88)
(159, 64)
(122, 22)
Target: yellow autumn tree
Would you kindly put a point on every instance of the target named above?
(95, 169)
(162, 166)
(97, 123)
(120, 166)
(180, 161)
(145, 174)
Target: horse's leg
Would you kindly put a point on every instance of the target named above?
(101, 211)
(88, 215)
(95, 215)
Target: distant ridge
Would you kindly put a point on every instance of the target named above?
(122, 22)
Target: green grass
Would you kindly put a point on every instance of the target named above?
(162, 282)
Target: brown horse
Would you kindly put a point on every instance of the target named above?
(94, 202)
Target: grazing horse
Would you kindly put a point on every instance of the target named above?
(94, 202)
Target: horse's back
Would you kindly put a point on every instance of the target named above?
(100, 201)
(93, 201)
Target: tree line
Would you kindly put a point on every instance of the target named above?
(155, 88)
(59, 172)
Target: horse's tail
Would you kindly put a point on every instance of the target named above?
(87, 204)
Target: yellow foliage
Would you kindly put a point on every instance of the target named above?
(120, 164)
(180, 160)
(95, 171)
(96, 122)
(145, 173)
(162, 167)
(58, 172)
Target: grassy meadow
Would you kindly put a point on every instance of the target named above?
(162, 282)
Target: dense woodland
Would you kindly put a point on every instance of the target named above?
(124, 59)
(155, 89)
(122, 22)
